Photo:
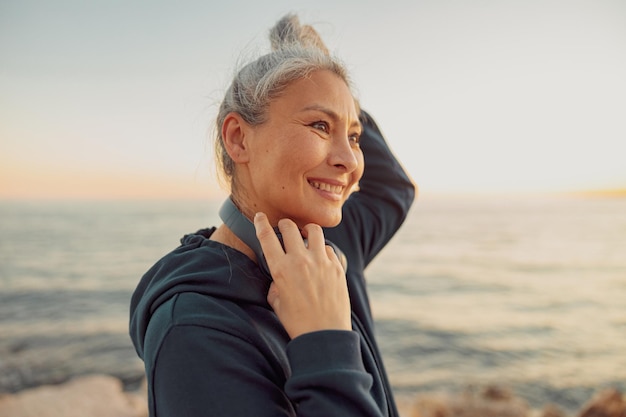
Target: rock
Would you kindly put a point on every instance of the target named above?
(93, 396)
(429, 406)
(495, 393)
(607, 403)
(491, 402)
(551, 410)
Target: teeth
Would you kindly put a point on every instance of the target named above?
(337, 189)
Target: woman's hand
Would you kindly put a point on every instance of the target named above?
(309, 290)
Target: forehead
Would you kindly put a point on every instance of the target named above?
(321, 89)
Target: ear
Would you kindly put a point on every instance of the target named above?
(235, 133)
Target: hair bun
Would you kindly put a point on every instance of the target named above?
(289, 32)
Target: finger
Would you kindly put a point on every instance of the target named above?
(315, 237)
(292, 238)
(272, 296)
(267, 237)
(332, 255)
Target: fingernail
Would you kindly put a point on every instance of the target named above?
(258, 216)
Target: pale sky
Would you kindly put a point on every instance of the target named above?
(116, 98)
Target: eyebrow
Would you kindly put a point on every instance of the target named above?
(331, 113)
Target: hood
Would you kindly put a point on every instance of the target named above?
(199, 265)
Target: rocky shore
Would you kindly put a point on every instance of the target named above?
(86, 396)
(499, 402)
(104, 396)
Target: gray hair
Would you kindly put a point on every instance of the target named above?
(297, 51)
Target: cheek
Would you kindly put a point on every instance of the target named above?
(358, 172)
(304, 156)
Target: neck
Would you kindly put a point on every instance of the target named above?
(226, 237)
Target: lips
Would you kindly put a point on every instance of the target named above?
(323, 186)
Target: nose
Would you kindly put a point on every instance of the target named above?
(342, 154)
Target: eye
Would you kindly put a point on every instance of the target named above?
(320, 125)
(354, 139)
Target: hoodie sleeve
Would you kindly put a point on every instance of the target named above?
(202, 370)
(372, 215)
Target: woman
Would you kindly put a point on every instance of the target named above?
(218, 333)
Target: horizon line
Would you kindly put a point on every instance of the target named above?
(218, 194)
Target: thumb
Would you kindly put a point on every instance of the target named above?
(272, 296)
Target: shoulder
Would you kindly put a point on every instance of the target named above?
(205, 312)
(205, 328)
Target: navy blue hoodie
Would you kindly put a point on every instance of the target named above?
(212, 345)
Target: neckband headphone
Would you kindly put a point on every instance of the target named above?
(241, 226)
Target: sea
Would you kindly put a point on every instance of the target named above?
(517, 291)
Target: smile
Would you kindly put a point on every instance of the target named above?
(335, 189)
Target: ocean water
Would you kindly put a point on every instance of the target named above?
(526, 293)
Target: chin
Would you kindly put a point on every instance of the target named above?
(331, 220)
(324, 217)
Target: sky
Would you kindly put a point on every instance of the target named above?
(116, 99)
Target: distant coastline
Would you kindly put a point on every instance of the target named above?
(602, 193)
